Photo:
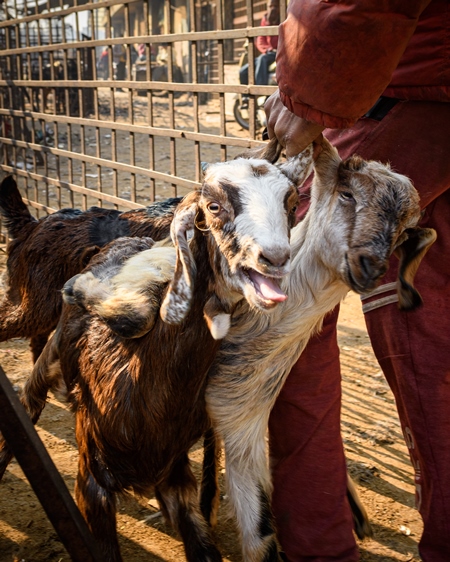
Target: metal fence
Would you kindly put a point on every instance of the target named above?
(118, 102)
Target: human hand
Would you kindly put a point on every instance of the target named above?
(292, 132)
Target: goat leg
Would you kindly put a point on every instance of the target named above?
(34, 394)
(178, 498)
(14, 323)
(6, 456)
(209, 491)
(248, 483)
(37, 344)
(98, 506)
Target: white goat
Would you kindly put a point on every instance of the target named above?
(360, 213)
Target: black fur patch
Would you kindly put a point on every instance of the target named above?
(265, 519)
(162, 208)
(68, 213)
(129, 326)
(107, 227)
(198, 546)
(272, 554)
(232, 192)
(209, 484)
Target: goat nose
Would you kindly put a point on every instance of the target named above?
(370, 268)
(274, 257)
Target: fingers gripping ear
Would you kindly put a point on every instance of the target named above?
(178, 298)
(410, 254)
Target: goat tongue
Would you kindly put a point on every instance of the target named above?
(267, 287)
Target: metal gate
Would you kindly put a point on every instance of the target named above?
(118, 102)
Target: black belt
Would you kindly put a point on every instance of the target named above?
(381, 108)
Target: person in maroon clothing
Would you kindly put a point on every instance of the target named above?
(266, 45)
(374, 78)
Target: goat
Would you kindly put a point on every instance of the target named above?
(139, 402)
(49, 251)
(361, 212)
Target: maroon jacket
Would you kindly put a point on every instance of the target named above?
(268, 42)
(336, 57)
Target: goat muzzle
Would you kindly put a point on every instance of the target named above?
(364, 271)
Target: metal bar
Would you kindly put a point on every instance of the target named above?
(221, 71)
(189, 135)
(72, 187)
(43, 476)
(84, 158)
(194, 78)
(148, 19)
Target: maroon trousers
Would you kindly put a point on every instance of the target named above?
(413, 349)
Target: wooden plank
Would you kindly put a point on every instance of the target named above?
(154, 39)
(61, 12)
(44, 478)
(145, 85)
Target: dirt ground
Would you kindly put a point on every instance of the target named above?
(377, 456)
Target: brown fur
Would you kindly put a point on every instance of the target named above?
(121, 391)
(140, 403)
(44, 254)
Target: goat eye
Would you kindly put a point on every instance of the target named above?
(346, 196)
(214, 208)
(294, 209)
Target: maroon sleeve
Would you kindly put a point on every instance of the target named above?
(262, 42)
(336, 57)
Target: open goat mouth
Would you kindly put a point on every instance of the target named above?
(267, 289)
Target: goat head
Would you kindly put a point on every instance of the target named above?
(389, 223)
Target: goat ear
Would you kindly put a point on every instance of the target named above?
(89, 253)
(327, 163)
(217, 318)
(177, 301)
(410, 254)
(270, 151)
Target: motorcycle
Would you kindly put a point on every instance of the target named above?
(241, 105)
(160, 73)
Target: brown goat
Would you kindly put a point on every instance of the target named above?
(43, 254)
(140, 402)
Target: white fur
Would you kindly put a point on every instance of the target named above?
(260, 350)
(155, 265)
(219, 326)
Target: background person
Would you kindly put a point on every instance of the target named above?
(375, 78)
(267, 46)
